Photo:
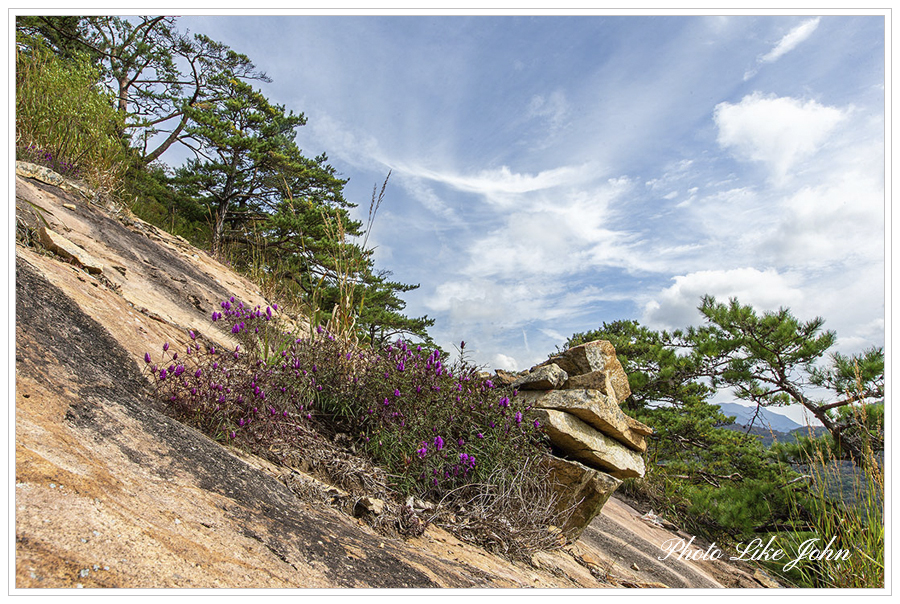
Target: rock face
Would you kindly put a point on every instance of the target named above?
(599, 445)
(110, 492)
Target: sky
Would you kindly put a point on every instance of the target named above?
(550, 174)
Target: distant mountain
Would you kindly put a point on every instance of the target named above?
(766, 420)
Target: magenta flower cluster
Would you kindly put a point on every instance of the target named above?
(423, 419)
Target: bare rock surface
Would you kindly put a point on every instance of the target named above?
(595, 356)
(110, 492)
(582, 442)
(582, 490)
(546, 377)
(593, 408)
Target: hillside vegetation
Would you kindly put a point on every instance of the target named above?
(100, 99)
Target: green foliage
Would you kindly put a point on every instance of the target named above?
(381, 319)
(439, 431)
(724, 484)
(844, 511)
(768, 359)
(59, 34)
(718, 482)
(152, 197)
(249, 193)
(65, 121)
(154, 71)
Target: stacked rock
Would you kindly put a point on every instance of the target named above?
(575, 396)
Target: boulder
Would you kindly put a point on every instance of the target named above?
(504, 378)
(545, 377)
(64, 248)
(584, 443)
(596, 409)
(598, 355)
(580, 489)
(595, 380)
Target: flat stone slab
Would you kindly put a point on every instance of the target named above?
(61, 246)
(545, 377)
(588, 445)
(596, 409)
(598, 355)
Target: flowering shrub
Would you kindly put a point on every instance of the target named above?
(36, 155)
(432, 426)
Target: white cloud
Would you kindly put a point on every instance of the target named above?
(676, 306)
(790, 41)
(502, 361)
(553, 334)
(499, 186)
(553, 108)
(779, 132)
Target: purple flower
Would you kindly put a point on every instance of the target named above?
(518, 417)
(537, 424)
(192, 334)
(438, 443)
(162, 375)
(198, 372)
(165, 346)
(480, 435)
(504, 402)
(396, 392)
(147, 357)
(423, 450)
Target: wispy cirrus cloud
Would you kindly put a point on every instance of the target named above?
(788, 43)
(499, 186)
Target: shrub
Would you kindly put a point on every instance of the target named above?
(65, 121)
(440, 431)
(842, 504)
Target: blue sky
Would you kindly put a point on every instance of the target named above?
(553, 173)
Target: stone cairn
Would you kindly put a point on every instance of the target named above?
(575, 396)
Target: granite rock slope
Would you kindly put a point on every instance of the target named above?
(110, 492)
